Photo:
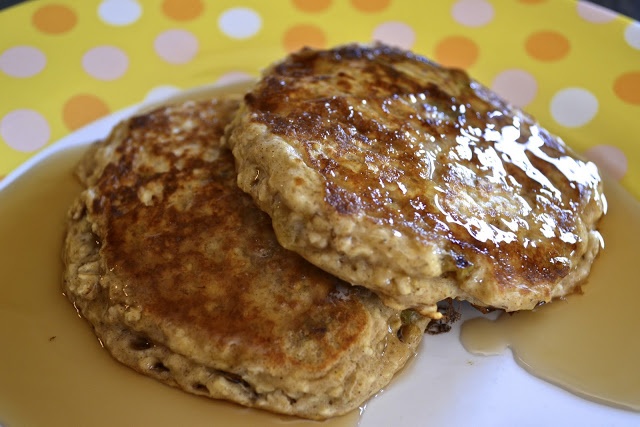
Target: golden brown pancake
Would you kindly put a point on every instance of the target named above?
(415, 181)
(182, 278)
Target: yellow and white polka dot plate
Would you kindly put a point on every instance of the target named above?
(65, 63)
(575, 66)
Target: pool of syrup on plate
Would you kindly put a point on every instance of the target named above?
(588, 343)
(53, 370)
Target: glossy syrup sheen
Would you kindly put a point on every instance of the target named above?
(53, 371)
(433, 155)
(589, 343)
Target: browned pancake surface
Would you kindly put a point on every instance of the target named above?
(477, 200)
(189, 267)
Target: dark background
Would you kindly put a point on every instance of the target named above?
(630, 8)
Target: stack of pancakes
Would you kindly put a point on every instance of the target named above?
(285, 250)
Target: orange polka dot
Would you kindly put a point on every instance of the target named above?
(182, 10)
(312, 5)
(547, 46)
(83, 109)
(457, 52)
(54, 19)
(303, 35)
(370, 5)
(627, 87)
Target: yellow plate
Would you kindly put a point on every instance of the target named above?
(65, 63)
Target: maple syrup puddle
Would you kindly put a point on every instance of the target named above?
(587, 344)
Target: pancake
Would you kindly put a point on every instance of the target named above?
(415, 181)
(182, 279)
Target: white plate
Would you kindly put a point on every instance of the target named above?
(445, 384)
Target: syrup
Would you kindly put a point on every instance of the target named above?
(589, 343)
